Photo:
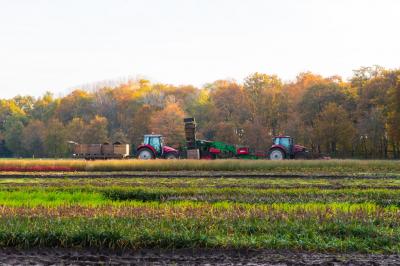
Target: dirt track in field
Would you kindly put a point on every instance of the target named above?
(188, 174)
(187, 257)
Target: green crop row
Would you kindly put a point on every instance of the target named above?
(185, 209)
(134, 233)
(202, 183)
(322, 214)
(34, 196)
(379, 196)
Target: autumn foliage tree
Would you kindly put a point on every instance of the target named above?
(96, 131)
(56, 139)
(33, 138)
(357, 118)
(140, 124)
(394, 113)
(334, 129)
(169, 123)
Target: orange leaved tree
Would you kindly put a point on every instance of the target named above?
(169, 123)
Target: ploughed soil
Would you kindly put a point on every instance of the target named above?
(59, 256)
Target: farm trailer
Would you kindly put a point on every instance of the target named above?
(101, 151)
(152, 147)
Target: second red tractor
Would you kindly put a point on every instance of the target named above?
(283, 147)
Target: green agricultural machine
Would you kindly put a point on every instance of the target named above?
(205, 149)
(283, 147)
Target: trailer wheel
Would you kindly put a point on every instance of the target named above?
(145, 154)
(276, 154)
(171, 156)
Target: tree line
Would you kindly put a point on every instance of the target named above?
(358, 118)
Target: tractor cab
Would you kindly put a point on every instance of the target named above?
(155, 141)
(284, 141)
(153, 147)
(283, 147)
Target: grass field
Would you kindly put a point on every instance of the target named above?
(287, 166)
(318, 214)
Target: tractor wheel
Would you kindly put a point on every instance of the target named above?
(145, 154)
(171, 156)
(301, 156)
(276, 154)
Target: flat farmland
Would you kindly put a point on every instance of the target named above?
(314, 210)
(348, 167)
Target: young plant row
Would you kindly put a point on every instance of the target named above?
(33, 196)
(201, 213)
(204, 183)
(362, 212)
(133, 233)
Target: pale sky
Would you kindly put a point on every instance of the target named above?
(54, 45)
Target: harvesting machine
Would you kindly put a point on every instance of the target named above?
(153, 147)
(283, 147)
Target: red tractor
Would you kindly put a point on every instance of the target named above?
(153, 147)
(283, 147)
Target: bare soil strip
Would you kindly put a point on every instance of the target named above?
(187, 257)
(189, 174)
